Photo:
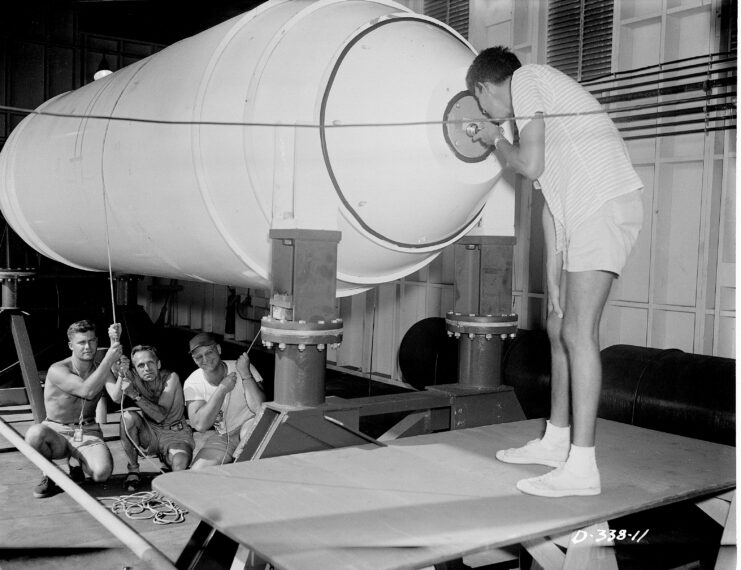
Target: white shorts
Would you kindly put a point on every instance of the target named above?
(604, 241)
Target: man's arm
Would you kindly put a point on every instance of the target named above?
(156, 411)
(252, 390)
(528, 156)
(120, 374)
(202, 413)
(65, 380)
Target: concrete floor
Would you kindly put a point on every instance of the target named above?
(57, 533)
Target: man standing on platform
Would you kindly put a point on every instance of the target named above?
(573, 152)
(161, 427)
(223, 397)
(71, 393)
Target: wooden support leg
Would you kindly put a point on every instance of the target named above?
(413, 424)
(191, 554)
(28, 367)
(595, 552)
(546, 555)
(246, 559)
(588, 548)
(722, 509)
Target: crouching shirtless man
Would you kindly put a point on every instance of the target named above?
(71, 393)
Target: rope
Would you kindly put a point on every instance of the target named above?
(146, 505)
(335, 124)
(108, 251)
(228, 399)
(131, 439)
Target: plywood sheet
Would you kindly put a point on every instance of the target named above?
(435, 497)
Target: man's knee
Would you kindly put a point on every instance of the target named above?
(201, 462)
(100, 467)
(207, 457)
(577, 337)
(130, 419)
(45, 440)
(101, 473)
(179, 459)
(554, 325)
(35, 436)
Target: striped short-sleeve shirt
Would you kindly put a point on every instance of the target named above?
(586, 162)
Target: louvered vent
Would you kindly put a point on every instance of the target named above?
(580, 37)
(452, 12)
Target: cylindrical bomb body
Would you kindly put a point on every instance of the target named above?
(203, 157)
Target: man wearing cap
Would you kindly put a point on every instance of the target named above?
(223, 397)
(161, 427)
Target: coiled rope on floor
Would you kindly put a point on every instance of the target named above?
(146, 505)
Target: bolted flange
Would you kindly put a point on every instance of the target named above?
(487, 326)
(7, 275)
(302, 333)
(9, 279)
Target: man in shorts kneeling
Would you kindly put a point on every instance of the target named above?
(160, 428)
(223, 399)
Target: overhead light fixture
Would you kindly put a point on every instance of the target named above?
(104, 68)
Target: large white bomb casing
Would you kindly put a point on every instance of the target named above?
(176, 193)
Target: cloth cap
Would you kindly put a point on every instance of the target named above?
(202, 339)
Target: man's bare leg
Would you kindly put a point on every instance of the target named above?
(52, 446)
(560, 380)
(210, 457)
(586, 298)
(96, 461)
(586, 295)
(553, 447)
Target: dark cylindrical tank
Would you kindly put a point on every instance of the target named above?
(526, 367)
(676, 392)
(663, 389)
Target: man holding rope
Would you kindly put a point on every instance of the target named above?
(573, 152)
(71, 393)
(223, 399)
(161, 427)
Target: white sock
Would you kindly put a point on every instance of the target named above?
(556, 436)
(581, 460)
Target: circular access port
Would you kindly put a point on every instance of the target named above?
(461, 120)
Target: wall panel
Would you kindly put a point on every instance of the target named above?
(623, 325)
(677, 222)
(673, 329)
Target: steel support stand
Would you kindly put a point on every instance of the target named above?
(9, 280)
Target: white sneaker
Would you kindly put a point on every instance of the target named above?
(562, 482)
(535, 452)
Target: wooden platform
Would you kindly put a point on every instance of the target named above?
(432, 498)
